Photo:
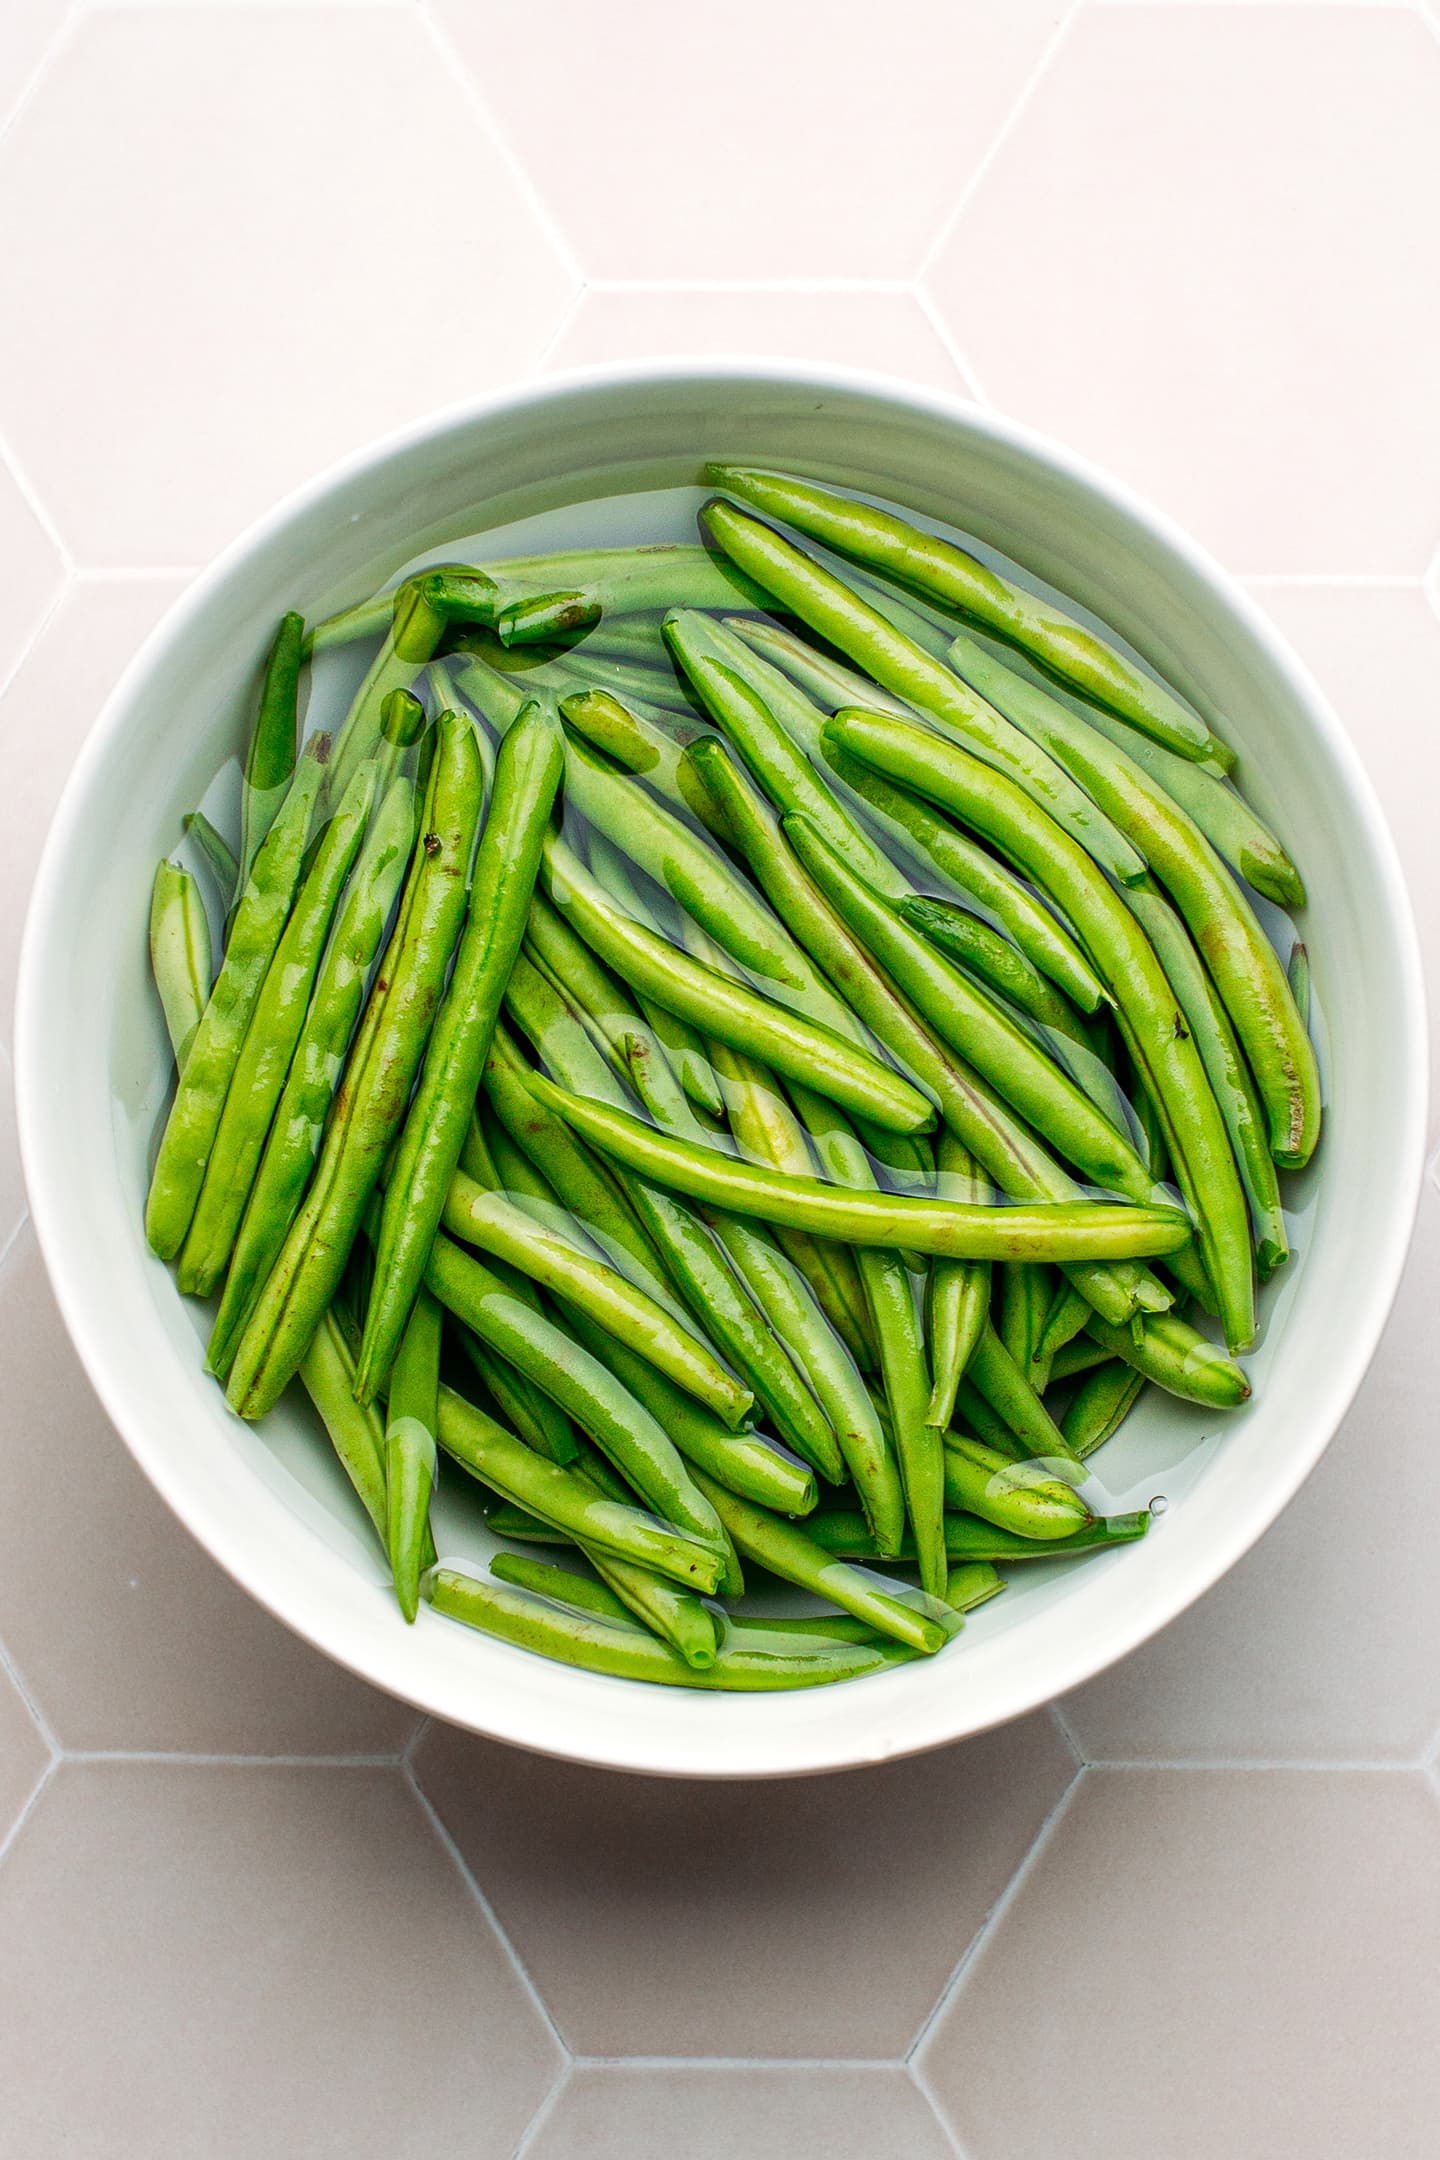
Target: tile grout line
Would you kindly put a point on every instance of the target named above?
(183, 1758)
(1007, 127)
(59, 40)
(472, 1881)
(941, 2121)
(12, 1835)
(17, 1680)
(983, 1933)
(470, 90)
(739, 2062)
(888, 287)
(924, 301)
(47, 616)
(1263, 1765)
(30, 496)
(545, 2110)
(567, 316)
(1067, 1733)
(14, 1238)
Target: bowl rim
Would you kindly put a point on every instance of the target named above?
(786, 1753)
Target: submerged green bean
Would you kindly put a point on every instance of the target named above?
(179, 954)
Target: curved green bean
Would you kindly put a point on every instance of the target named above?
(569, 1502)
(1177, 1358)
(1055, 640)
(1247, 970)
(540, 1423)
(800, 1048)
(1100, 1405)
(1082, 1231)
(327, 1372)
(1003, 1383)
(1016, 1496)
(1159, 1038)
(179, 954)
(219, 857)
(860, 631)
(625, 1653)
(270, 759)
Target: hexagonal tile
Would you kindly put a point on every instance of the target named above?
(762, 147)
(45, 715)
(127, 1632)
(1375, 651)
(1205, 1962)
(30, 571)
(305, 235)
(313, 1974)
(24, 1757)
(1320, 1643)
(1179, 263)
(825, 1914)
(887, 331)
(766, 2113)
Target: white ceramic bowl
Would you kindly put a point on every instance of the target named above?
(92, 1063)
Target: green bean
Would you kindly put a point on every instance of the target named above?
(411, 1416)
(1093, 1230)
(585, 1187)
(1157, 1033)
(370, 1104)
(792, 1044)
(676, 1616)
(1003, 1383)
(295, 1135)
(715, 661)
(1225, 1068)
(1177, 1358)
(765, 1128)
(1080, 1356)
(972, 1024)
(585, 1389)
(633, 1049)
(655, 688)
(413, 630)
(562, 1584)
(648, 747)
(1297, 974)
(958, 1290)
(625, 637)
(200, 1095)
(1055, 640)
(540, 1423)
(1024, 1301)
(684, 1044)
(1246, 967)
(545, 615)
(527, 775)
(862, 633)
(1015, 1160)
(1100, 1405)
(974, 1415)
(904, 1373)
(967, 1538)
(827, 680)
(941, 855)
(328, 1373)
(1067, 1315)
(1015, 1496)
(490, 1222)
(271, 1039)
(1225, 818)
(568, 1501)
(745, 1462)
(179, 954)
(795, 1557)
(699, 880)
(633, 580)
(219, 856)
(270, 760)
(697, 1266)
(972, 1583)
(625, 1653)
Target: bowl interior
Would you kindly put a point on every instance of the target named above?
(92, 1062)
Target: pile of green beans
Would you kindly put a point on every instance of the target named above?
(741, 1062)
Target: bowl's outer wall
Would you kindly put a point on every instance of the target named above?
(90, 1061)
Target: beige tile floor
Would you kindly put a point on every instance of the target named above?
(245, 1906)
